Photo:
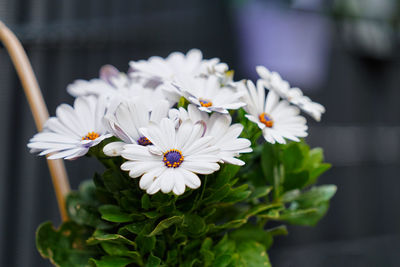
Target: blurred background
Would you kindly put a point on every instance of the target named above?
(342, 53)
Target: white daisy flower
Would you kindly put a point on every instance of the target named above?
(277, 119)
(208, 95)
(159, 70)
(225, 136)
(174, 159)
(273, 81)
(126, 121)
(116, 86)
(73, 131)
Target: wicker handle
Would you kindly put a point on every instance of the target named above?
(38, 108)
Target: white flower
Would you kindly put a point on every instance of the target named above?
(128, 118)
(158, 69)
(208, 95)
(173, 160)
(73, 131)
(225, 136)
(277, 119)
(116, 87)
(273, 81)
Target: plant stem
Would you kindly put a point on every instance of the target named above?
(38, 108)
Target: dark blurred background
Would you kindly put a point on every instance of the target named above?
(342, 53)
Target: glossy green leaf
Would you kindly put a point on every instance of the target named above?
(100, 236)
(295, 180)
(194, 225)
(114, 213)
(146, 201)
(153, 261)
(316, 195)
(253, 233)
(145, 244)
(164, 224)
(251, 254)
(269, 161)
(293, 157)
(112, 261)
(261, 191)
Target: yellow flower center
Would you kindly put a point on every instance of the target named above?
(205, 103)
(266, 119)
(91, 136)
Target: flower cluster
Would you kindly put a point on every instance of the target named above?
(174, 119)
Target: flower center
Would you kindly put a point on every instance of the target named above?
(266, 119)
(173, 158)
(205, 103)
(91, 136)
(143, 141)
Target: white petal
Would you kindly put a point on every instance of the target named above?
(148, 178)
(200, 167)
(114, 149)
(68, 153)
(160, 111)
(167, 180)
(138, 168)
(179, 186)
(191, 179)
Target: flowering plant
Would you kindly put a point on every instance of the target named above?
(197, 165)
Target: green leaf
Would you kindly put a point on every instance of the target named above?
(294, 180)
(82, 207)
(194, 225)
(252, 233)
(227, 172)
(224, 246)
(135, 227)
(293, 157)
(279, 230)
(260, 191)
(216, 195)
(153, 261)
(100, 236)
(315, 157)
(260, 208)
(152, 214)
(237, 194)
(316, 195)
(145, 244)
(114, 213)
(252, 253)
(308, 217)
(269, 161)
(114, 181)
(172, 257)
(206, 253)
(164, 224)
(112, 261)
(65, 246)
(228, 225)
(222, 260)
(317, 171)
(145, 202)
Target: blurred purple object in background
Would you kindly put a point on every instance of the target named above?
(295, 43)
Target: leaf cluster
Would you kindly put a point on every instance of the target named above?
(223, 223)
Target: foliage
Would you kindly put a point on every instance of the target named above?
(223, 223)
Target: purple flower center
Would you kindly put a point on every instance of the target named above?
(143, 141)
(173, 158)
